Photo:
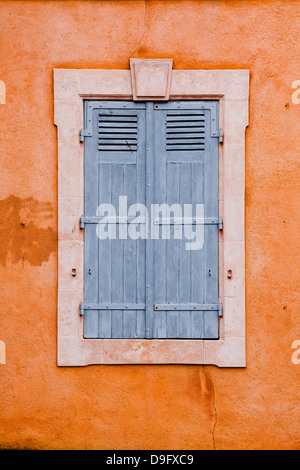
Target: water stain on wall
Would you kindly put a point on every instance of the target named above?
(26, 231)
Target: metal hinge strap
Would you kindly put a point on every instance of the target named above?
(112, 220)
(189, 307)
(190, 221)
(143, 220)
(160, 307)
(127, 306)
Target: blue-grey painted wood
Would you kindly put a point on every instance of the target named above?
(189, 177)
(159, 323)
(149, 184)
(115, 268)
(104, 257)
(197, 257)
(186, 272)
(152, 155)
(91, 272)
(211, 320)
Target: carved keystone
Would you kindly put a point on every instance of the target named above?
(151, 79)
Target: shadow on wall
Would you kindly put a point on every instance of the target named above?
(22, 235)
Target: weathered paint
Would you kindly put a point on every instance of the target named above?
(117, 270)
(27, 233)
(167, 407)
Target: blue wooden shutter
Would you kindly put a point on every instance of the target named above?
(185, 282)
(114, 274)
(152, 154)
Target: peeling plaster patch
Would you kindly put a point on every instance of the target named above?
(22, 234)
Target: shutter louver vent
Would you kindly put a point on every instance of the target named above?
(185, 131)
(117, 133)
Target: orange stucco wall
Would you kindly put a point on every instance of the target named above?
(148, 407)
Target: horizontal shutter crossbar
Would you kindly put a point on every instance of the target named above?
(143, 220)
(189, 307)
(127, 306)
(111, 220)
(189, 221)
(160, 307)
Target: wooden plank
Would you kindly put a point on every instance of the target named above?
(140, 244)
(211, 320)
(185, 255)
(91, 280)
(173, 272)
(149, 184)
(159, 246)
(104, 255)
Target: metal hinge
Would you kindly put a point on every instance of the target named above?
(220, 312)
(84, 133)
(221, 136)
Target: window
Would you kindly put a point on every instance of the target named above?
(84, 339)
(151, 220)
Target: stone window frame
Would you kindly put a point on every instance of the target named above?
(231, 89)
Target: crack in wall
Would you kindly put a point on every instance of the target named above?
(216, 416)
(209, 392)
(144, 32)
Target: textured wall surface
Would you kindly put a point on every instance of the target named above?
(148, 407)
